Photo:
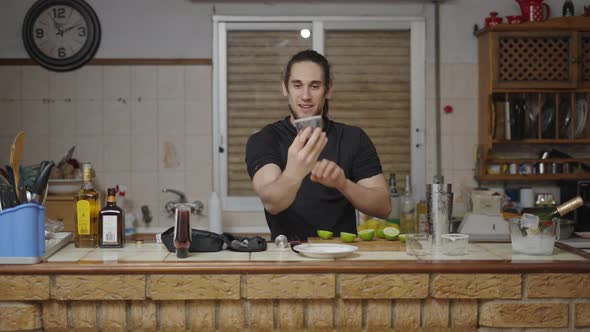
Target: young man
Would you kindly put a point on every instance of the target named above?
(314, 179)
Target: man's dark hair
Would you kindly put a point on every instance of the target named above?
(311, 56)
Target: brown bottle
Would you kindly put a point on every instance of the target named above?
(87, 207)
(111, 223)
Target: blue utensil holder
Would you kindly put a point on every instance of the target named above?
(22, 234)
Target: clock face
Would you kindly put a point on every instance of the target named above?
(60, 32)
(61, 35)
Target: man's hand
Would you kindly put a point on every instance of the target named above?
(329, 174)
(304, 152)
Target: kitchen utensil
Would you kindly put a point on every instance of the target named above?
(548, 118)
(8, 196)
(581, 116)
(534, 10)
(519, 109)
(67, 156)
(16, 152)
(531, 118)
(565, 117)
(4, 178)
(40, 185)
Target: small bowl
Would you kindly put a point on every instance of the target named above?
(454, 244)
(64, 186)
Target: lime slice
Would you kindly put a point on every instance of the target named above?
(390, 233)
(367, 234)
(347, 237)
(379, 233)
(402, 238)
(325, 234)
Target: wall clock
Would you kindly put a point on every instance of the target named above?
(61, 35)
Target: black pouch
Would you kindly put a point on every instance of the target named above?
(244, 244)
(201, 241)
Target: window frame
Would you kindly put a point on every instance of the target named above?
(318, 25)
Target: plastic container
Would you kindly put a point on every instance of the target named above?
(486, 203)
(22, 234)
(534, 240)
(454, 244)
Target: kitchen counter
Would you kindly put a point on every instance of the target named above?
(146, 287)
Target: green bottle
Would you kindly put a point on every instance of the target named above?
(561, 210)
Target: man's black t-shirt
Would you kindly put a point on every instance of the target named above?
(315, 206)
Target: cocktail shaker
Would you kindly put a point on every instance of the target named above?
(439, 201)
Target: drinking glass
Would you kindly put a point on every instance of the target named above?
(418, 244)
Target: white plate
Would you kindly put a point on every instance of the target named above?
(64, 186)
(584, 235)
(325, 250)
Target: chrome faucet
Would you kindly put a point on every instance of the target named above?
(170, 208)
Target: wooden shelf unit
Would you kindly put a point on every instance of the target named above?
(526, 70)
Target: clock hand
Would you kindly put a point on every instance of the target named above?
(72, 27)
(55, 24)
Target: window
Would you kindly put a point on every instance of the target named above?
(378, 71)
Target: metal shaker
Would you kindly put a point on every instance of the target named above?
(439, 202)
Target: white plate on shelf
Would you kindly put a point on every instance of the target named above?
(583, 235)
(64, 186)
(324, 250)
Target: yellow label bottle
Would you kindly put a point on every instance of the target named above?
(87, 208)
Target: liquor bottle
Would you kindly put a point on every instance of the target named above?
(422, 217)
(408, 213)
(394, 216)
(111, 223)
(561, 210)
(87, 207)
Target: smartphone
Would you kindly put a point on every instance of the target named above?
(312, 121)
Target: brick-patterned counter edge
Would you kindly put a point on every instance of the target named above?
(239, 267)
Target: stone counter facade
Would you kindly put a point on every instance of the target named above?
(295, 302)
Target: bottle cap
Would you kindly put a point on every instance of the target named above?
(182, 252)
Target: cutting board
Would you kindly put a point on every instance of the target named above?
(374, 245)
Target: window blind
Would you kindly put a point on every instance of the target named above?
(255, 62)
(371, 72)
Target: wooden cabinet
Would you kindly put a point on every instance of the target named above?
(534, 94)
(524, 59)
(62, 208)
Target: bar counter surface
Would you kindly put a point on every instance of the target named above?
(144, 287)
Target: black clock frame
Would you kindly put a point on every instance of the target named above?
(76, 61)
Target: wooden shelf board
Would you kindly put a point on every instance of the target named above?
(534, 177)
(544, 141)
(525, 160)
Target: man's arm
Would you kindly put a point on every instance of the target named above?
(278, 190)
(369, 195)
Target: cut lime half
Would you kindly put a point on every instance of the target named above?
(367, 234)
(347, 237)
(325, 235)
(390, 233)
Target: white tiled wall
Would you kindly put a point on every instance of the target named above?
(120, 118)
(459, 89)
